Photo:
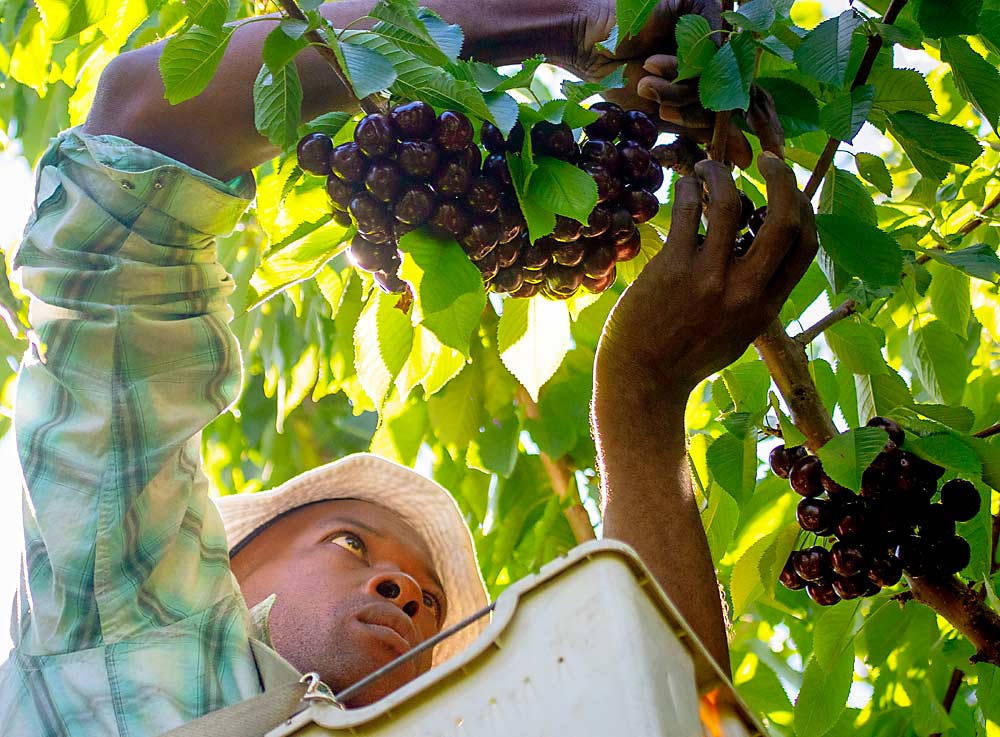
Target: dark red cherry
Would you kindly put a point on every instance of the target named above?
(370, 256)
(742, 244)
(598, 222)
(375, 136)
(508, 280)
(492, 138)
(954, 554)
(634, 159)
(415, 204)
(564, 280)
(628, 249)
(412, 121)
(609, 124)
(640, 128)
(452, 179)
(885, 570)
(419, 159)
(511, 220)
(453, 131)
(495, 167)
(782, 459)
(654, 177)
(599, 261)
(822, 592)
(482, 237)
(960, 499)
(756, 220)
(601, 283)
(789, 578)
(348, 163)
(567, 230)
(568, 254)
(488, 265)
(508, 253)
(642, 204)
(600, 153)
(814, 515)
(806, 476)
(340, 191)
(483, 196)
(450, 220)
(746, 208)
(847, 560)
(851, 587)
(609, 186)
(553, 139)
(537, 256)
(527, 290)
(313, 153)
(812, 564)
(389, 282)
(384, 179)
(368, 212)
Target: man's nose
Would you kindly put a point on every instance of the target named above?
(399, 588)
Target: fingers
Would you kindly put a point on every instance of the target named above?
(798, 258)
(782, 226)
(662, 65)
(738, 149)
(685, 216)
(660, 90)
(723, 215)
(763, 121)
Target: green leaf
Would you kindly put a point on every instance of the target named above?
(874, 171)
(843, 194)
(932, 145)
(328, 123)
(939, 361)
(861, 249)
(695, 47)
(902, 89)
(418, 80)
(846, 456)
(719, 519)
(939, 18)
(383, 338)
(448, 36)
(65, 18)
(580, 91)
(494, 449)
(747, 384)
(297, 258)
(957, 418)
(447, 286)
(277, 104)
(881, 394)
(651, 244)
(756, 15)
(823, 695)
(951, 297)
(632, 16)
(208, 13)
(533, 337)
(976, 78)
(455, 410)
(503, 109)
(834, 632)
(843, 116)
(367, 69)
(279, 48)
(732, 461)
(725, 83)
(540, 220)
(796, 106)
(980, 261)
(946, 450)
(562, 188)
(488, 79)
(189, 61)
(825, 53)
(746, 584)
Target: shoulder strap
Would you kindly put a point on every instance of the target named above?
(251, 718)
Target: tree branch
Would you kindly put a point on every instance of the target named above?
(989, 431)
(810, 334)
(561, 476)
(977, 221)
(370, 104)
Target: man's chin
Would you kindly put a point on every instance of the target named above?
(378, 646)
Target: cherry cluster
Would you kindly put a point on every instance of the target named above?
(893, 526)
(751, 221)
(412, 168)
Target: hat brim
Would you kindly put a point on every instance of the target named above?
(423, 504)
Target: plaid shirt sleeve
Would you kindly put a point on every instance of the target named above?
(125, 555)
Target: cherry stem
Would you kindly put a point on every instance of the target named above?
(844, 310)
(370, 104)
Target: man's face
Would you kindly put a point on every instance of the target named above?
(355, 588)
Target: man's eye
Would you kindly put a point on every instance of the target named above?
(430, 602)
(350, 542)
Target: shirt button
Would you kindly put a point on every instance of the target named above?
(158, 184)
(126, 184)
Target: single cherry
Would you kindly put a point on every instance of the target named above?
(419, 159)
(313, 153)
(960, 499)
(412, 121)
(375, 136)
(609, 124)
(453, 131)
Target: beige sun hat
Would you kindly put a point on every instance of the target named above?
(423, 504)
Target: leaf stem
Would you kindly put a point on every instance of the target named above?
(949, 696)
(845, 309)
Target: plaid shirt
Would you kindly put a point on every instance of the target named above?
(128, 620)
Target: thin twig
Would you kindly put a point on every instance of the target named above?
(370, 104)
(561, 476)
(860, 78)
(720, 132)
(846, 309)
(949, 696)
(989, 431)
(994, 565)
(977, 221)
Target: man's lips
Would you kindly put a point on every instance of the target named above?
(391, 626)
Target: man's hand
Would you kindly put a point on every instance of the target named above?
(650, 70)
(696, 307)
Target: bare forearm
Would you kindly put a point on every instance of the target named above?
(649, 503)
(215, 131)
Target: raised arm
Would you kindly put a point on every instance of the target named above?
(215, 131)
(694, 309)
